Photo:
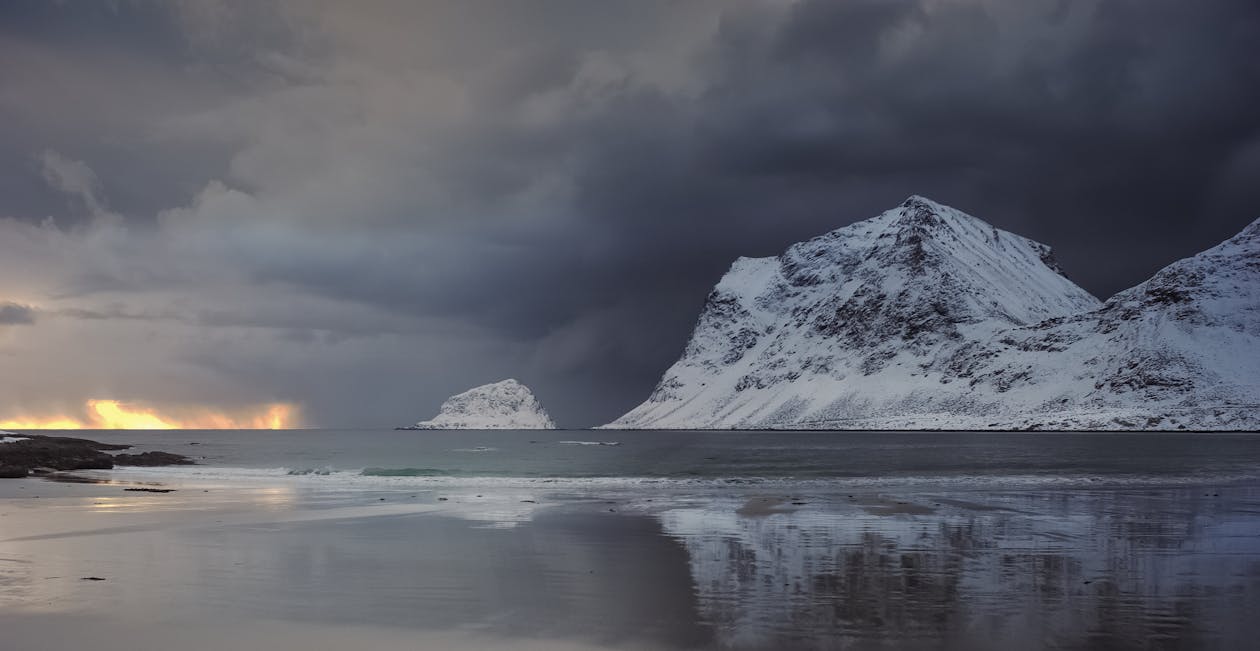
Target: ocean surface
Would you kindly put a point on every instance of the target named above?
(645, 540)
(826, 458)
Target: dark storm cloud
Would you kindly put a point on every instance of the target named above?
(92, 80)
(374, 207)
(15, 314)
(1085, 126)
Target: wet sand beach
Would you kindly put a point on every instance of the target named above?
(293, 564)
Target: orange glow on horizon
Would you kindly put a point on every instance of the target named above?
(115, 414)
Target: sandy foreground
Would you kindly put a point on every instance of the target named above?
(292, 565)
(215, 567)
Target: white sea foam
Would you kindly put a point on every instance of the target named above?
(432, 479)
(309, 471)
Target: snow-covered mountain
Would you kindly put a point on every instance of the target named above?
(927, 318)
(501, 405)
(1179, 351)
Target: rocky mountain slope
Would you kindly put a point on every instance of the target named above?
(501, 405)
(1179, 351)
(927, 318)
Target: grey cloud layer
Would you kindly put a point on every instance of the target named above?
(15, 314)
(367, 208)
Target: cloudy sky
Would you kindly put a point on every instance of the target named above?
(361, 208)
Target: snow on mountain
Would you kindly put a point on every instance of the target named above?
(1179, 351)
(501, 405)
(927, 318)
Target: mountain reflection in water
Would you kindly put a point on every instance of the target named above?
(1171, 568)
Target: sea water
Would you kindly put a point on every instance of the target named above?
(829, 457)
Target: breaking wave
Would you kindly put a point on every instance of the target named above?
(404, 472)
(297, 472)
(435, 478)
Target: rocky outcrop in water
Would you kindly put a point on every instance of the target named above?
(507, 404)
(26, 452)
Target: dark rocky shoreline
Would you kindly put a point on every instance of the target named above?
(38, 452)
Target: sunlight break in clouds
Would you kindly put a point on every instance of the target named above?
(113, 414)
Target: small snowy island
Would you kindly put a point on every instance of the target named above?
(500, 405)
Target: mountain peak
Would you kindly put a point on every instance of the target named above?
(876, 302)
(1248, 236)
(926, 254)
(919, 212)
(1209, 285)
(918, 201)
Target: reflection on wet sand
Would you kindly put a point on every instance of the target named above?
(1076, 568)
(563, 579)
(1071, 569)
